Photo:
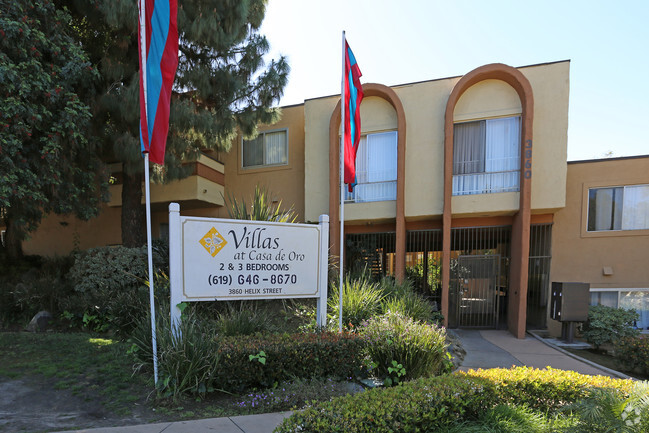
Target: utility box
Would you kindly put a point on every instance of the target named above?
(569, 302)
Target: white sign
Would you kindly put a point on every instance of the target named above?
(221, 259)
(237, 259)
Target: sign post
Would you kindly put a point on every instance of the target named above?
(214, 259)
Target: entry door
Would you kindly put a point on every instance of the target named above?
(478, 291)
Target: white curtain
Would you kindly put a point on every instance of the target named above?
(486, 156)
(276, 148)
(636, 207)
(376, 168)
(638, 301)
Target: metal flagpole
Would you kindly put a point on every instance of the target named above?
(149, 253)
(342, 189)
(148, 193)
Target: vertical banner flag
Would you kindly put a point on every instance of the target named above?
(352, 100)
(157, 74)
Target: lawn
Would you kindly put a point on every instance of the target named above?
(82, 373)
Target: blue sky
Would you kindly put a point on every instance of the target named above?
(405, 41)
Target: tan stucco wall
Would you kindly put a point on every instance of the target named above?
(424, 105)
(551, 84)
(190, 188)
(489, 98)
(377, 115)
(57, 235)
(285, 183)
(581, 256)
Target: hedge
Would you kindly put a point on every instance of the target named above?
(429, 404)
(546, 390)
(248, 362)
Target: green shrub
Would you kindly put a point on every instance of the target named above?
(546, 390)
(633, 354)
(608, 325)
(439, 403)
(187, 361)
(111, 285)
(401, 297)
(421, 405)
(418, 347)
(287, 356)
(362, 300)
(244, 320)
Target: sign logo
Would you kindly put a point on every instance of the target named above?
(213, 242)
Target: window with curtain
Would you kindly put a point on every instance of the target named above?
(634, 299)
(268, 149)
(486, 156)
(618, 208)
(376, 168)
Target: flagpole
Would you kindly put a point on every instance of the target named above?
(147, 193)
(342, 187)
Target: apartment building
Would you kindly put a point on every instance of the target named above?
(462, 186)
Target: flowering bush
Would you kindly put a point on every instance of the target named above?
(419, 348)
(293, 394)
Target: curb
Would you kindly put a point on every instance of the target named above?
(579, 358)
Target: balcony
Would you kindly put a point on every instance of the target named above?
(203, 188)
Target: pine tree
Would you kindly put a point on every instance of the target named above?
(47, 163)
(222, 87)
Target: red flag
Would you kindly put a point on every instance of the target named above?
(157, 73)
(353, 95)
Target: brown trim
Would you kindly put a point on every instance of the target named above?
(371, 228)
(476, 222)
(504, 220)
(381, 91)
(424, 225)
(516, 315)
(547, 218)
(208, 173)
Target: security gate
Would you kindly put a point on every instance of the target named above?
(478, 293)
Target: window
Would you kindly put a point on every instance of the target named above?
(268, 149)
(376, 168)
(486, 156)
(164, 231)
(618, 208)
(629, 299)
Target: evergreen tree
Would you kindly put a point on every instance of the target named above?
(47, 164)
(223, 86)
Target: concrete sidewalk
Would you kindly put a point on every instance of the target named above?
(485, 349)
(263, 423)
(500, 349)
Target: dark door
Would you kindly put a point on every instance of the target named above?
(478, 291)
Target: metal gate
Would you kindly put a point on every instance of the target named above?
(478, 292)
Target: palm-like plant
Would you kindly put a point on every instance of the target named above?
(607, 410)
(261, 209)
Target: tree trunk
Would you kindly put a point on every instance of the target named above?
(133, 214)
(13, 240)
